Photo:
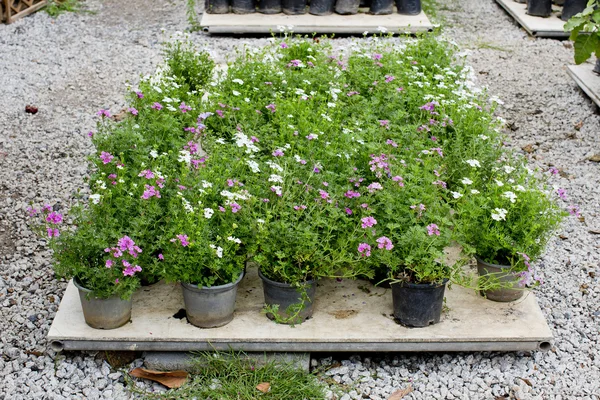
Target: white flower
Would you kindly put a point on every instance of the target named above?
(119, 166)
(95, 198)
(234, 239)
(186, 204)
(253, 166)
(499, 183)
(474, 191)
(241, 82)
(121, 180)
(500, 214)
(508, 169)
(473, 163)
(330, 105)
(382, 29)
(456, 195)
(247, 100)
(260, 221)
(510, 195)
(243, 141)
(219, 251)
(235, 93)
(153, 153)
(466, 181)
(184, 156)
(274, 166)
(519, 188)
(208, 213)
(101, 184)
(276, 178)
(206, 184)
(220, 141)
(277, 190)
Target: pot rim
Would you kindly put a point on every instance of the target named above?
(487, 264)
(421, 285)
(281, 284)
(91, 293)
(194, 287)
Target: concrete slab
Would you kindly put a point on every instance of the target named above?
(307, 23)
(552, 27)
(351, 316)
(180, 360)
(587, 80)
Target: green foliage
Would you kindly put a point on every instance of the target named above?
(585, 32)
(233, 376)
(192, 15)
(190, 68)
(54, 8)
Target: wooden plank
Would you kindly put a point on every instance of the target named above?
(10, 18)
(307, 23)
(552, 27)
(587, 80)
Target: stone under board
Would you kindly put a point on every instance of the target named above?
(552, 26)
(350, 315)
(307, 23)
(587, 80)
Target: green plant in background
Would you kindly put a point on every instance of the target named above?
(54, 8)
(192, 15)
(233, 376)
(585, 32)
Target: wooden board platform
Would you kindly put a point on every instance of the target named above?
(307, 23)
(350, 316)
(587, 80)
(551, 27)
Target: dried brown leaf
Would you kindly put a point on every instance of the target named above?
(400, 393)
(579, 125)
(264, 387)
(528, 148)
(594, 158)
(171, 379)
(527, 381)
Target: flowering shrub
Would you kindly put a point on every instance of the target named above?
(504, 216)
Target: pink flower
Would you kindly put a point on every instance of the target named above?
(574, 210)
(384, 123)
(270, 107)
(52, 232)
(254, 139)
(284, 45)
(106, 157)
(433, 229)
(300, 207)
(350, 94)
(161, 257)
(150, 191)
(278, 153)
(368, 222)
(103, 113)
(351, 194)
(54, 218)
(384, 243)
(219, 113)
(391, 142)
(133, 111)
(130, 271)
(324, 195)
(222, 209)
(400, 89)
(438, 150)
(311, 136)
(139, 94)
(348, 211)
(148, 174)
(31, 211)
(364, 249)
(440, 183)
(373, 187)
(376, 56)
(389, 78)
(364, 205)
(157, 106)
(562, 193)
(184, 107)
(191, 147)
(553, 170)
(235, 207)
(183, 240)
(398, 179)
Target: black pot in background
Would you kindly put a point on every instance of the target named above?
(408, 7)
(539, 8)
(597, 66)
(557, 2)
(294, 7)
(321, 7)
(572, 7)
(346, 7)
(418, 305)
(269, 6)
(243, 6)
(381, 7)
(216, 6)
(365, 3)
(521, 1)
(285, 295)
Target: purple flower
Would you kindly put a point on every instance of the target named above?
(139, 94)
(350, 94)
(31, 211)
(348, 211)
(351, 194)
(278, 153)
(54, 218)
(430, 106)
(562, 193)
(133, 111)
(368, 222)
(47, 208)
(150, 191)
(161, 257)
(106, 157)
(219, 113)
(384, 243)
(157, 106)
(432, 229)
(364, 205)
(311, 136)
(300, 207)
(389, 78)
(574, 210)
(109, 263)
(53, 232)
(316, 170)
(398, 179)
(130, 271)
(183, 240)
(384, 123)
(324, 195)
(400, 89)
(103, 113)
(204, 115)
(438, 150)
(235, 207)
(375, 186)
(553, 170)
(90, 134)
(148, 174)
(294, 63)
(364, 249)
(440, 183)
(270, 107)
(376, 56)
(254, 139)
(284, 45)
(184, 107)
(391, 143)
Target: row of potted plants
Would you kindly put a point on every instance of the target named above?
(311, 164)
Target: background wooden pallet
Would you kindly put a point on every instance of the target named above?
(11, 10)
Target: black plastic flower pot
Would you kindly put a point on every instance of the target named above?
(321, 7)
(269, 6)
(243, 6)
(365, 3)
(216, 6)
(539, 8)
(381, 7)
(557, 2)
(294, 7)
(597, 67)
(418, 305)
(408, 7)
(347, 7)
(572, 7)
(287, 298)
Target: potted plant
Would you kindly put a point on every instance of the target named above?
(507, 217)
(405, 226)
(585, 32)
(103, 264)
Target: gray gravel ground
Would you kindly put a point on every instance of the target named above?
(74, 65)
